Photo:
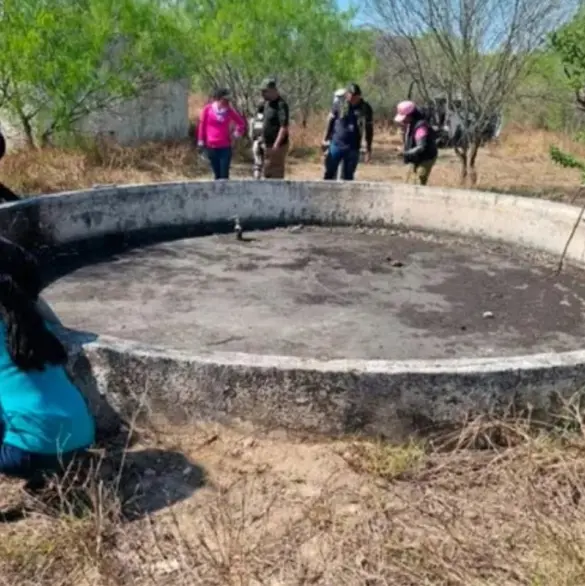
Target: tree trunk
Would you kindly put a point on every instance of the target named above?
(463, 154)
(47, 138)
(28, 129)
(472, 159)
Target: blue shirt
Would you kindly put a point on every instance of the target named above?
(42, 412)
(348, 123)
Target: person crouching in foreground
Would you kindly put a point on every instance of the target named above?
(420, 142)
(44, 419)
(214, 132)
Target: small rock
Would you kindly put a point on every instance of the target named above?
(249, 443)
(302, 400)
(397, 263)
(296, 228)
(166, 567)
(488, 315)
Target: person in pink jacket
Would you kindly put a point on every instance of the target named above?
(214, 133)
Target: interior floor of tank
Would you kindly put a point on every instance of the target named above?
(330, 293)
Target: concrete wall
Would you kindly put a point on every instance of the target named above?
(338, 396)
(160, 113)
(73, 216)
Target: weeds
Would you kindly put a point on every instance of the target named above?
(439, 511)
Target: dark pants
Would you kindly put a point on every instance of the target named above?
(220, 160)
(348, 158)
(34, 468)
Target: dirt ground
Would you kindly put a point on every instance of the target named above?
(215, 505)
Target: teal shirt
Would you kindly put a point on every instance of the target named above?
(42, 412)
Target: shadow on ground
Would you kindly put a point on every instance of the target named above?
(150, 480)
(129, 485)
(119, 473)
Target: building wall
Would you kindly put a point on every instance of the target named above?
(159, 114)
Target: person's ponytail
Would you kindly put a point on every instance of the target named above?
(29, 342)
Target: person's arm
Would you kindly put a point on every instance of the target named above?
(333, 115)
(369, 130)
(283, 119)
(239, 121)
(202, 128)
(421, 136)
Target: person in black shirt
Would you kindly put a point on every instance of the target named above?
(346, 126)
(275, 138)
(6, 194)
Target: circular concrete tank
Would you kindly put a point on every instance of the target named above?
(346, 307)
(330, 293)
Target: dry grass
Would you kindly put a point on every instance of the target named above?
(518, 164)
(496, 503)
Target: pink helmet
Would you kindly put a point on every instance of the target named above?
(404, 109)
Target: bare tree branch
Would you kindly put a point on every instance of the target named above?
(474, 53)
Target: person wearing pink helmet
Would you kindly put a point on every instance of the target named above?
(420, 141)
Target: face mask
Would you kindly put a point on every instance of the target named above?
(219, 111)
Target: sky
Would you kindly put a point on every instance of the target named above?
(345, 4)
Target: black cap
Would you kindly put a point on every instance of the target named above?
(221, 94)
(268, 83)
(354, 89)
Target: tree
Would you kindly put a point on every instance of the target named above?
(61, 60)
(309, 45)
(474, 53)
(569, 44)
(544, 97)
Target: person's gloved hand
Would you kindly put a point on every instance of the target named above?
(201, 149)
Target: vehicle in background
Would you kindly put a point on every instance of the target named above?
(447, 119)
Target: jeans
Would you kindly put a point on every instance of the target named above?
(220, 160)
(19, 463)
(349, 158)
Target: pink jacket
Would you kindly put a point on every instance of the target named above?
(214, 127)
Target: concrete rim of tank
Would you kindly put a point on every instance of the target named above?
(333, 396)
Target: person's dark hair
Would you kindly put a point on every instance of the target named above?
(354, 89)
(30, 344)
(220, 94)
(22, 266)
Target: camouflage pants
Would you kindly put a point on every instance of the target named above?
(422, 171)
(258, 152)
